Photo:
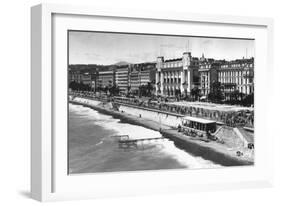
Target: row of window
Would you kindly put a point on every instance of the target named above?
(231, 73)
(237, 80)
(171, 74)
(172, 64)
(206, 66)
(236, 65)
(172, 80)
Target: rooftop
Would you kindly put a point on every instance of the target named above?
(173, 60)
(196, 119)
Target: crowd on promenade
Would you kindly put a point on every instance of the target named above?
(243, 118)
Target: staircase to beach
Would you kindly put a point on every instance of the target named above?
(217, 131)
(229, 137)
(248, 137)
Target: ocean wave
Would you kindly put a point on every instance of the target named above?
(184, 158)
(164, 147)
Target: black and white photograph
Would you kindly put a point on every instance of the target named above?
(140, 102)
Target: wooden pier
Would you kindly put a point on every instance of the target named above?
(139, 140)
(125, 142)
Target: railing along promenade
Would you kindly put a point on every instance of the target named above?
(230, 118)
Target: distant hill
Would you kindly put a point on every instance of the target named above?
(121, 63)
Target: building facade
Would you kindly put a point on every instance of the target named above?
(237, 75)
(122, 78)
(84, 74)
(208, 73)
(106, 78)
(86, 78)
(234, 76)
(177, 76)
(141, 74)
(134, 82)
(171, 77)
(74, 75)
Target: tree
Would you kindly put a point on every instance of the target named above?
(149, 88)
(79, 86)
(248, 100)
(215, 94)
(178, 94)
(195, 93)
(99, 89)
(235, 97)
(114, 90)
(146, 90)
(73, 85)
(142, 91)
(129, 89)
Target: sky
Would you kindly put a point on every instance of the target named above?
(110, 48)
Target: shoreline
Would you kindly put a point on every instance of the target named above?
(209, 151)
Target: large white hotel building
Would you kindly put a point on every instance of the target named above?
(180, 76)
(176, 75)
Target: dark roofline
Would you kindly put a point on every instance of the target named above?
(173, 60)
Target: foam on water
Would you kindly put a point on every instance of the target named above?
(186, 159)
(166, 147)
(108, 122)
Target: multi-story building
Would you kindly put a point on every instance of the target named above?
(74, 75)
(208, 73)
(85, 74)
(75, 72)
(237, 75)
(177, 76)
(134, 82)
(106, 78)
(171, 77)
(93, 72)
(145, 77)
(141, 74)
(122, 78)
(86, 78)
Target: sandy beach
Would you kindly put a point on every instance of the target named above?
(208, 150)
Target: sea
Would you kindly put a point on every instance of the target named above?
(93, 146)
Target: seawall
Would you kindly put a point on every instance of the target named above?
(150, 119)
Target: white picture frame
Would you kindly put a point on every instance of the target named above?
(48, 178)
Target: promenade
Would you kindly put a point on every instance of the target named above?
(213, 151)
(231, 115)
